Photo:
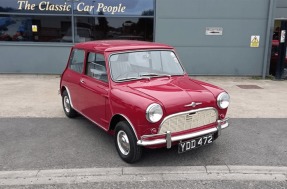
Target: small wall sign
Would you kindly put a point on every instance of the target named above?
(34, 28)
(214, 31)
(254, 42)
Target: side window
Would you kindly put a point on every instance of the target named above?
(77, 60)
(96, 67)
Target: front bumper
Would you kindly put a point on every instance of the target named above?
(168, 139)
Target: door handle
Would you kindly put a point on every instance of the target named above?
(105, 95)
(82, 81)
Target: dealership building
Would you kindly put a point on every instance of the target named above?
(212, 37)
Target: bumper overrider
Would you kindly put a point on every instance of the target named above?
(168, 139)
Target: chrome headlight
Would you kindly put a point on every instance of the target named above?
(154, 113)
(223, 100)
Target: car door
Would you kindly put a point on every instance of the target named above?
(73, 76)
(95, 89)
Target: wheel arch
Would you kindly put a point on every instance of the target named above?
(119, 117)
(65, 88)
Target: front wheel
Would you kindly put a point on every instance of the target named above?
(126, 143)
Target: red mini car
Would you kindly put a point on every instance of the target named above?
(139, 92)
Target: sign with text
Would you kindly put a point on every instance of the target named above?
(214, 31)
(79, 6)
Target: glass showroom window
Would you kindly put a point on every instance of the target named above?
(51, 20)
(34, 28)
(133, 28)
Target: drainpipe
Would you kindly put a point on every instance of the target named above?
(269, 34)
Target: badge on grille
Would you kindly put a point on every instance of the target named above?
(193, 104)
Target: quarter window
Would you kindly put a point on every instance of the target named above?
(96, 67)
(77, 60)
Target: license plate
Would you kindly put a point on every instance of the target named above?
(194, 143)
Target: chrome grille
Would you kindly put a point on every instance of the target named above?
(188, 120)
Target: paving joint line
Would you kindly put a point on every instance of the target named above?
(205, 169)
(228, 168)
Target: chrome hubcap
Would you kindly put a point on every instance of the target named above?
(123, 142)
(67, 105)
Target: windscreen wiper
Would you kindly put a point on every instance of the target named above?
(155, 75)
(131, 78)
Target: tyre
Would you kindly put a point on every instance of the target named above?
(69, 111)
(126, 143)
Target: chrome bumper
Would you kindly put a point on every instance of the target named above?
(221, 124)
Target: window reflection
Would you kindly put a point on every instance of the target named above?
(90, 28)
(59, 28)
(45, 21)
(34, 28)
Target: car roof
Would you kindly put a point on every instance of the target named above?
(120, 45)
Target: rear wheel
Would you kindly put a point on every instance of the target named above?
(126, 143)
(66, 102)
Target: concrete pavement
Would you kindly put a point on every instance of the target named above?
(36, 96)
(268, 101)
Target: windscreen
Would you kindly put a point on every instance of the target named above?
(135, 65)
